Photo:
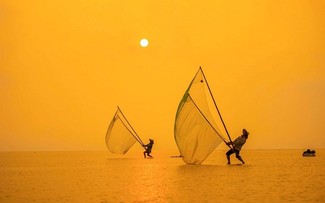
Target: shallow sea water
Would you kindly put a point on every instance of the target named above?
(267, 176)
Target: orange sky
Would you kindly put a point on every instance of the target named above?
(66, 65)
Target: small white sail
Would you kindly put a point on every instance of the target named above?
(120, 136)
(196, 131)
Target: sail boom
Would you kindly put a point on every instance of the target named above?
(133, 132)
(121, 136)
(207, 120)
(215, 104)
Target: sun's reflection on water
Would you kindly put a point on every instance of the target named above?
(146, 182)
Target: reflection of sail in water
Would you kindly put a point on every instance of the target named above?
(120, 136)
(196, 131)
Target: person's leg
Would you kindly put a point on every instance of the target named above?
(149, 152)
(239, 157)
(144, 154)
(231, 151)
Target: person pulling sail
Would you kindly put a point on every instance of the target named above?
(148, 148)
(237, 145)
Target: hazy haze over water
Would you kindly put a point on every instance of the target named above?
(268, 176)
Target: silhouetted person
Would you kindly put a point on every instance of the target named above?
(237, 145)
(148, 148)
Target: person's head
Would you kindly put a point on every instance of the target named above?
(245, 133)
(151, 141)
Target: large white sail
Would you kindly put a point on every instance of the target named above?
(120, 136)
(196, 131)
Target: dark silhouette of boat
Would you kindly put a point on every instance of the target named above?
(309, 152)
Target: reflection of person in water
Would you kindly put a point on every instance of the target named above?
(148, 148)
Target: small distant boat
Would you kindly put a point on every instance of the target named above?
(176, 156)
(309, 152)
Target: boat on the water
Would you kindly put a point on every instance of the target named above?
(309, 152)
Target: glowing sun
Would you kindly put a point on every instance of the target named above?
(144, 42)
